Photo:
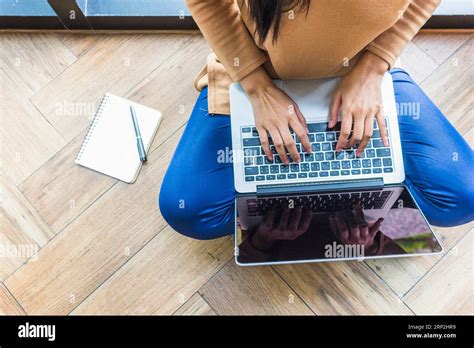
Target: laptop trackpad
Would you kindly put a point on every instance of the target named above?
(314, 97)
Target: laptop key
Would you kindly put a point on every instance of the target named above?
(345, 172)
(376, 162)
(291, 176)
(334, 173)
(313, 175)
(323, 174)
(249, 178)
(387, 162)
(264, 170)
(317, 127)
(271, 177)
(329, 156)
(260, 177)
(366, 163)
(308, 157)
(316, 147)
(305, 167)
(355, 163)
(383, 152)
(251, 170)
(370, 153)
(314, 167)
(377, 170)
(319, 156)
(246, 130)
(281, 176)
(252, 142)
(302, 175)
(330, 136)
(319, 137)
(248, 161)
(259, 160)
(366, 171)
(355, 172)
(388, 170)
(340, 155)
(326, 146)
(251, 151)
(284, 169)
(274, 169)
(294, 167)
(335, 165)
(325, 166)
(346, 164)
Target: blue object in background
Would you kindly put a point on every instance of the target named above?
(26, 8)
(133, 8)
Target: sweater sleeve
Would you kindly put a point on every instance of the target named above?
(222, 26)
(390, 44)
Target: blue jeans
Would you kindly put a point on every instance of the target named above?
(197, 194)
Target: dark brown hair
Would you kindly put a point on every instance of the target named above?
(267, 13)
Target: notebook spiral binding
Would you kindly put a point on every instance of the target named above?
(96, 119)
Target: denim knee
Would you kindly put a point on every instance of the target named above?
(454, 206)
(191, 218)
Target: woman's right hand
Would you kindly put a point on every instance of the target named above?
(275, 112)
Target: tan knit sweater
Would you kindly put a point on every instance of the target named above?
(326, 41)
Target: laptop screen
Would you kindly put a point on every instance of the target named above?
(327, 226)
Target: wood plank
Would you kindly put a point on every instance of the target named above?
(401, 274)
(195, 306)
(27, 140)
(451, 88)
(448, 288)
(251, 291)
(33, 60)
(80, 43)
(22, 230)
(115, 66)
(171, 265)
(96, 244)
(342, 288)
(61, 190)
(417, 62)
(439, 46)
(8, 304)
(174, 97)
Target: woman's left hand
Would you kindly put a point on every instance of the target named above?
(359, 97)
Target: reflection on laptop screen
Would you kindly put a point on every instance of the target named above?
(331, 226)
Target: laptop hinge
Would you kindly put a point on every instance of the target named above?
(374, 183)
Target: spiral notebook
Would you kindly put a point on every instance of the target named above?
(110, 145)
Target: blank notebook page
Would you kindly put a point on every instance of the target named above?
(110, 146)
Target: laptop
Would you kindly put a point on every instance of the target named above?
(331, 206)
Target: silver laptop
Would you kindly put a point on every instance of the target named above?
(291, 213)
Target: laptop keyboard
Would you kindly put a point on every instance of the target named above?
(322, 162)
(321, 203)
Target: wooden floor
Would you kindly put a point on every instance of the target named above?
(104, 247)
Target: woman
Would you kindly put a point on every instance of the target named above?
(257, 40)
